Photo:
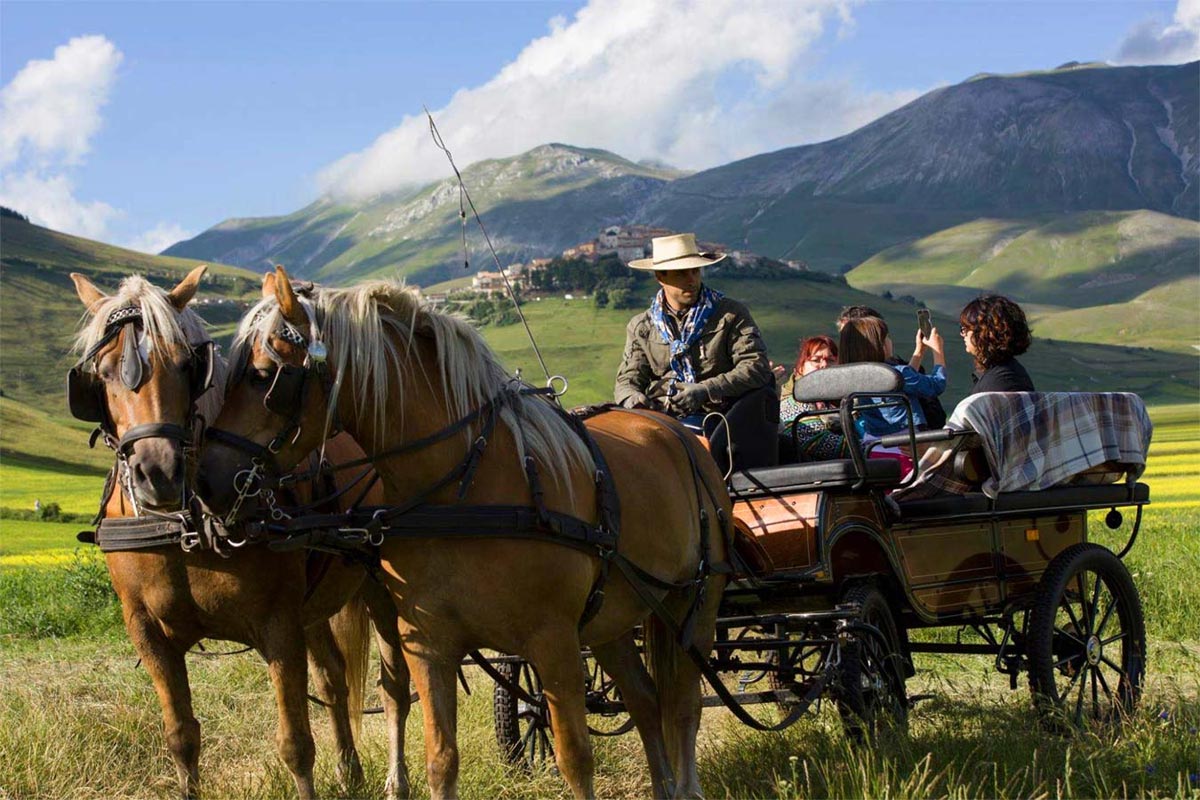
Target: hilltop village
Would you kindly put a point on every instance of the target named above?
(598, 264)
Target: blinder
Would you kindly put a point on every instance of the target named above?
(85, 391)
(287, 390)
(85, 395)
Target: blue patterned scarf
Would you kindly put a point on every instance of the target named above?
(693, 325)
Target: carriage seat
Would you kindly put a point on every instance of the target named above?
(1046, 500)
(836, 475)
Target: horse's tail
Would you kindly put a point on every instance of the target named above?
(351, 628)
(663, 656)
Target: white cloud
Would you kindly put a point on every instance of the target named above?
(50, 201)
(691, 83)
(1151, 42)
(51, 109)
(159, 238)
(49, 113)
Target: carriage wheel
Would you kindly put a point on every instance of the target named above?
(522, 728)
(1086, 640)
(870, 694)
(606, 709)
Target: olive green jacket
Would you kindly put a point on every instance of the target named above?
(730, 359)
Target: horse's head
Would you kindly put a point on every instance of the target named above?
(146, 360)
(276, 401)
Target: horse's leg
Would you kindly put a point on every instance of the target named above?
(394, 682)
(283, 650)
(555, 655)
(435, 676)
(621, 661)
(677, 679)
(329, 679)
(168, 669)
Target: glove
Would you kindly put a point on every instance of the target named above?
(689, 398)
(635, 400)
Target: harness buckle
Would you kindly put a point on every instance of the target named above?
(189, 541)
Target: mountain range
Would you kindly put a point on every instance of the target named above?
(1077, 138)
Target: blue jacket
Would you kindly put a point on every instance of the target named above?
(882, 421)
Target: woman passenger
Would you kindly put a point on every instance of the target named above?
(866, 340)
(994, 333)
(817, 438)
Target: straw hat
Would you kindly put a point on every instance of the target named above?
(675, 252)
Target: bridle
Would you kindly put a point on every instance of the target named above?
(87, 402)
(285, 398)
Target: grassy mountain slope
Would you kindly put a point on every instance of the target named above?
(584, 343)
(1007, 146)
(1094, 263)
(418, 233)
(39, 310)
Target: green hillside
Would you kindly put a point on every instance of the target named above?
(534, 203)
(39, 310)
(1092, 276)
(584, 343)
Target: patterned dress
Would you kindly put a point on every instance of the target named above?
(817, 438)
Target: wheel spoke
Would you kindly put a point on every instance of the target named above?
(1095, 694)
(1092, 604)
(1119, 636)
(527, 737)
(1078, 717)
(1104, 683)
(1072, 657)
(1118, 670)
(1071, 684)
(1066, 606)
(1104, 620)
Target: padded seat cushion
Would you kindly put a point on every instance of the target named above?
(837, 474)
(952, 505)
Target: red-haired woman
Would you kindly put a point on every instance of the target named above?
(994, 333)
(817, 438)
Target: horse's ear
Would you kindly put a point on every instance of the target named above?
(269, 284)
(182, 294)
(87, 291)
(289, 306)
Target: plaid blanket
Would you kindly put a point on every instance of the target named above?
(1034, 441)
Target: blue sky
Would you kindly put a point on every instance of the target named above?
(149, 122)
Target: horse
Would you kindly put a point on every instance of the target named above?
(455, 438)
(149, 376)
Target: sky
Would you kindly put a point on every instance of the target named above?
(145, 123)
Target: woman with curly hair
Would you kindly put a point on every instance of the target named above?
(994, 333)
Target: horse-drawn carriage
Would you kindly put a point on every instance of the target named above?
(794, 582)
(836, 573)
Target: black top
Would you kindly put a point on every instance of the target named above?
(1007, 376)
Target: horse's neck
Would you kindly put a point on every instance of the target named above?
(414, 412)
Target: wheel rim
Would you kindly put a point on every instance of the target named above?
(1096, 667)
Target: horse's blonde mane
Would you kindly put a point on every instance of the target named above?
(373, 327)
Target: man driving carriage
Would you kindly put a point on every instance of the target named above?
(694, 350)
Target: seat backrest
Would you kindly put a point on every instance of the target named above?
(833, 383)
(754, 422)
